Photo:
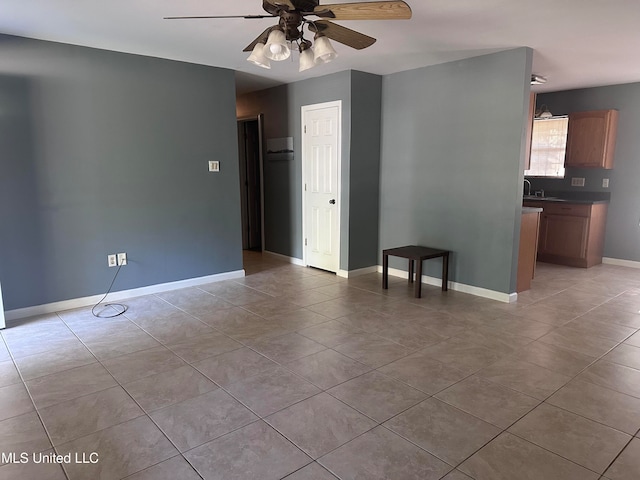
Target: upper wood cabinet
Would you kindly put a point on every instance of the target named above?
(591, 139)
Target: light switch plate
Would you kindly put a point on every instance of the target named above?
(577, 182)
(214, 166)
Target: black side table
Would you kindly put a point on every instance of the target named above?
(417, 254)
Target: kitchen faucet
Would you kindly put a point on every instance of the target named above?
(529, 190)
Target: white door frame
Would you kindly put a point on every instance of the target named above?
(2, 321)
(304, 110)
(260, 119)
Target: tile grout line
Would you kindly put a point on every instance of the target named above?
(412, 351)
(37, 412)
(145, 413)
(433, 395)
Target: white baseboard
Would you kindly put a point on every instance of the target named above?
(292, 260)
(621, 263)
(339, 273)
(358, 272)
(19, 313)
(458, 287)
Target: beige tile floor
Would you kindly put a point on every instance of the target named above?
(294, 373)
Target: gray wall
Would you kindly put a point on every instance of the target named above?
(452, 164)
(283, 179)
(622, 238)
(360, 94)
(102, 152)
(364, 183)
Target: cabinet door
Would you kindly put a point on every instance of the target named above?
(564, 236)
(591, 139)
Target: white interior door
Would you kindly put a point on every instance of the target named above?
(321, 189)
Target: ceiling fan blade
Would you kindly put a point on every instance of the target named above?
(260, 38)
(342, 34)
(250, 17)
(393, 10)
(291, 4)
(303, 5)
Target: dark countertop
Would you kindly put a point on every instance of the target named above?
(563, 200)
(588, 198)
(526, 210)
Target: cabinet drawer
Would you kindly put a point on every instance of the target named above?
(573, 209)
(561, 208)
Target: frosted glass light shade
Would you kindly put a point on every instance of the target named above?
(257, 56)
(323, 50)
(307, 60)
(276, 47)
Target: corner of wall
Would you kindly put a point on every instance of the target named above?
(364, 220)
(526, 98)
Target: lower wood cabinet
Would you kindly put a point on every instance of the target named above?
(529, 230)
(571, 234)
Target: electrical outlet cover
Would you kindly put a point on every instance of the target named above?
(605, 183)
(112, 260)
(214, 166)
(577, 182)
(122, 259)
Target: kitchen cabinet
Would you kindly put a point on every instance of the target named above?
(571, 234)
(529, 229)
(591, 139)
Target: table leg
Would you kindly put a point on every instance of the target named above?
(418, 279)
(410, 271)
(445, 272)
(385, 271)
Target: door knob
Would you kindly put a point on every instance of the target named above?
(332, 201)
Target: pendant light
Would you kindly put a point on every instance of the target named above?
(543, 112)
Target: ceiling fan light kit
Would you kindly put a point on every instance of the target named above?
(323, 51)
(275, 42)
(307, 59)
(276, 48)
(257, 56)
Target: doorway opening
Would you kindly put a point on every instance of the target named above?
(250, 150)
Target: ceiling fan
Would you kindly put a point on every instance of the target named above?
(276, 41)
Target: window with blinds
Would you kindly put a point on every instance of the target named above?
(548, 145)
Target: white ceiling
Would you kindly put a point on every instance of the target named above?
(577, 43)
